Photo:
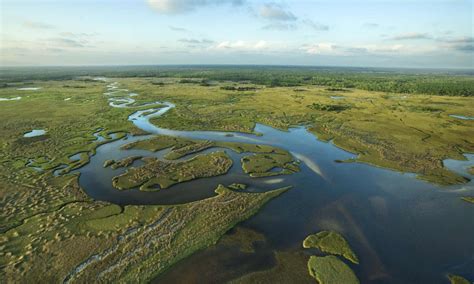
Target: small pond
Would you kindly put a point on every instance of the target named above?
(35, 132)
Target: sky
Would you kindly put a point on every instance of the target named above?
(365, 33)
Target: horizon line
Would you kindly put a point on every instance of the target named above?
(234, 65)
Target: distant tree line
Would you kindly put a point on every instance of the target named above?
(431, 82)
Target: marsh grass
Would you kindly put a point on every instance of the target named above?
(331, 242)
(329, 269)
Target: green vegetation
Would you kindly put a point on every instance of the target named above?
(181, 147)
(238, 88)
(50, 231)
(107, 163)
(469, 199)
(330, 270)
(157, 143)
(24, 191)
(471, 170)
(85, 241)
(262, 165)
(331, 242)
(456, 279)
(238, 186)
(178, 152)
(290, 268)
(337, 90)
(387, 130)
(328, 107)
(442, 83)
(121, 163)
(165, 174)
(243, 237)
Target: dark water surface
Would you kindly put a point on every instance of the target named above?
(404, 230)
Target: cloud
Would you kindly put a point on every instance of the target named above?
(55, 50)
(463, 44)
(66, 42)
(460, 40)
(411, 36)
(196, 41)
(320, 48)
(464, 47)
(241, 45)
(183, 6)
(78, 35)
(273, 11)
(37, 25)
(327, 48)
(178, 29)
(71, 40)
(387, 48)
(315, 26)
(280, 27)
(356, 50)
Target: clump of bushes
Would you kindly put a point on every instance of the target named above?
(337, 90)
(328, 107)
(232, 88)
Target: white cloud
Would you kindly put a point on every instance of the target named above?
(327, 48)
(463, 40)
(320, 48)
(195, 41)
(183, 6)
(273, 11)
(241, 45)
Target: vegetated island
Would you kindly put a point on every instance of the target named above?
(330, 269)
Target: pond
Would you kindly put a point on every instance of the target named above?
(35, 132)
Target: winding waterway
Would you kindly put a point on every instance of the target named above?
(403, 229)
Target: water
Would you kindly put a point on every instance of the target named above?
(10, 99)
(29, 89)
(35, 132)
(404, 230)
(462, 117)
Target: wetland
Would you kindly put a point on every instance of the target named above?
(168, 179)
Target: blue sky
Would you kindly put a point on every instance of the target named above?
(378, 33)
